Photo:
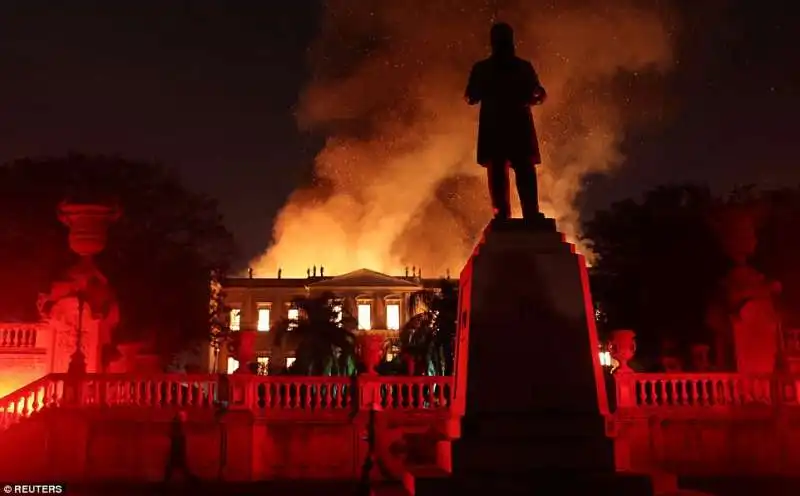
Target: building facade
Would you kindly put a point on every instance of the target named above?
(381, 303)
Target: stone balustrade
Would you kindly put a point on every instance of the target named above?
(648, 392)
(43, 393)
(706, 424)
(260, 394)
(16, 335)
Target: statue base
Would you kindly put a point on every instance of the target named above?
(528, 379)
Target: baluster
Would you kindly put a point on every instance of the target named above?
(704, 383)
(148, 392)
(672, 392)
(268, 394)
(340, 394)
(736, 397)
(310, 395)
(684, 392)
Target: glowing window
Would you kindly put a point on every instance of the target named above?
(263, 318)
(236, 319)
(605, 359)
(364, 316)
(263, 365)
(293, 315)
(393, 316)
(337, 309)
(289, 361)
(233, 364)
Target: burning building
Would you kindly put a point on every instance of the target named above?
(381, 303)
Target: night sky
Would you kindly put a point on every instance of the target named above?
(211, 89)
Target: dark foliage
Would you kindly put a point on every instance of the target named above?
(659, 261)
(322, 336)
(428, 338)
(159, 253)
(657, 264)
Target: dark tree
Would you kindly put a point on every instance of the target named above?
(428, 338)
(778, 251)
(658, 264)
(159, 254)
(323, 336)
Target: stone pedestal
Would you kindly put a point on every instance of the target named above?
(63, 319)
(528, 377)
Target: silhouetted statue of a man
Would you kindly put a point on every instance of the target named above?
(507, 86)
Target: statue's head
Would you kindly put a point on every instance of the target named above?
(502, 39)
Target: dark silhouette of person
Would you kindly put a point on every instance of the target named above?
(506, 87)
(176, 461)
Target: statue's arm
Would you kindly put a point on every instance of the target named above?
(473, 92)
(538, 93)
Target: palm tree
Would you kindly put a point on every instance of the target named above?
(322, 336)
(427, 340)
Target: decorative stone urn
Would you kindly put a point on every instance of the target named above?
(88, 226)
(371, 350)
(622, 348)
(83, 333)
(245, 350)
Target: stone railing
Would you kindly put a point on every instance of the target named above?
(260, 394)
(150, 391)
(706, 424)
(16, 335)
(303, 393)
(34, 397)
(698, 390)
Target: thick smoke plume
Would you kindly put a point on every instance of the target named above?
(396, 183)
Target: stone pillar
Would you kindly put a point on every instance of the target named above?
(379, 319)
(525, 306)
(249, 317)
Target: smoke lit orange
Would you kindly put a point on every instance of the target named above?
(401, 186)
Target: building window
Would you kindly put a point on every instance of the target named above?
(233, 364)
(263, 318)
(289, 361)
(393, 315)
(364, 315)
(293, 315)
(236, 319)
(337, 310)
(263, 365)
